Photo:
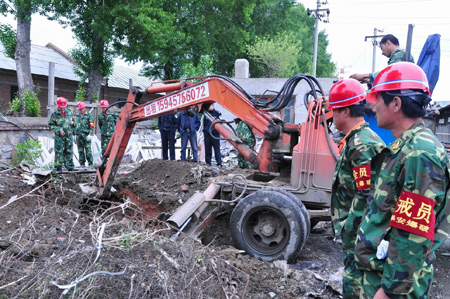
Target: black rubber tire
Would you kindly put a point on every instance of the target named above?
(295, 199)
(268, 225)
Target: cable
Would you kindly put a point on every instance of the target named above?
(5, 121)
(283, 98)
(120, 102)
(234, 184)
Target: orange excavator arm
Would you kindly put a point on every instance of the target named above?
(187, 95)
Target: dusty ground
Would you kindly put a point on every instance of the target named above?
(51, 234)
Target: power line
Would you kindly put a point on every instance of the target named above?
(386, 24)
(370, 2)
(390, 18)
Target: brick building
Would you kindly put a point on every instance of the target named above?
(114, 88)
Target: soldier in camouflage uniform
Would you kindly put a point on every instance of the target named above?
(62, 124)
(84, 122)
(351, 182)
(107, 124)
(390, 48)
(244, 132)
(407, 213)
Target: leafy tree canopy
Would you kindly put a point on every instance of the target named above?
(216, 28)
(8, 39)
(113, 28)
(277, 57)
(273, 16)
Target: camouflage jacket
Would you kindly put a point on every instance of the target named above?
(351, 181)
(58, 122)
(84, 124)
(412, 177)
(107, 123)
(397, 56)
(244, 132)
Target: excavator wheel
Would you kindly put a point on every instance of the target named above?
(295, 199)
(151, 210)
(269, 225)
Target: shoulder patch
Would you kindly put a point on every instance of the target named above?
(414, 213)
(396, 144)
(361, 174)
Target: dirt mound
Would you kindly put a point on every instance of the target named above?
(166, 183)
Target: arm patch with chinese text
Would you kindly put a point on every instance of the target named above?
(414, 213)
(361, 174)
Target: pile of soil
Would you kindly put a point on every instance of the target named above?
(55, 239)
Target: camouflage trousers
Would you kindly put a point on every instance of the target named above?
(351, 277)
(371, 282)
(243, 163)
(64, 151)
(84, 150)
(104, 142)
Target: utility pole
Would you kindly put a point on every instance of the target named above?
(409, 42)
(375, 44)
(319, 13)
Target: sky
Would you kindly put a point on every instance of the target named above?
(350, 21)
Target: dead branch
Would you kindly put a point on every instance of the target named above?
(15, 198)
(13, 282)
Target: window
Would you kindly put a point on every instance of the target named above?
(14, 91)
(288, 112)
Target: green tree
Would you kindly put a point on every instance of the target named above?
(106, 29)
(325, 67)
(203, 68)
(216, 28)
(273, 16)
(277, 56)
(22, 11)
(8, 39)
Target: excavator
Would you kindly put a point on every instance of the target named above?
(289, 188)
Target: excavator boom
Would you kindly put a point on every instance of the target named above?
(194, 96)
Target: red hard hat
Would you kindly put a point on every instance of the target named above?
(398, 76)
(346, 93)
(81, 105)
(61, 102)
(104, 103)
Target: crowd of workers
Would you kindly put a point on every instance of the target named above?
(79, 128)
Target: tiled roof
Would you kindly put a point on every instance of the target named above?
(39, 61)
(121, 75)
(41, 56)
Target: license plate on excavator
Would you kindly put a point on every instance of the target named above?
(178, 99)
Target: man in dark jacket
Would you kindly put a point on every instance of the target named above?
(188, 130)
(168, 125)
(211, 139)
